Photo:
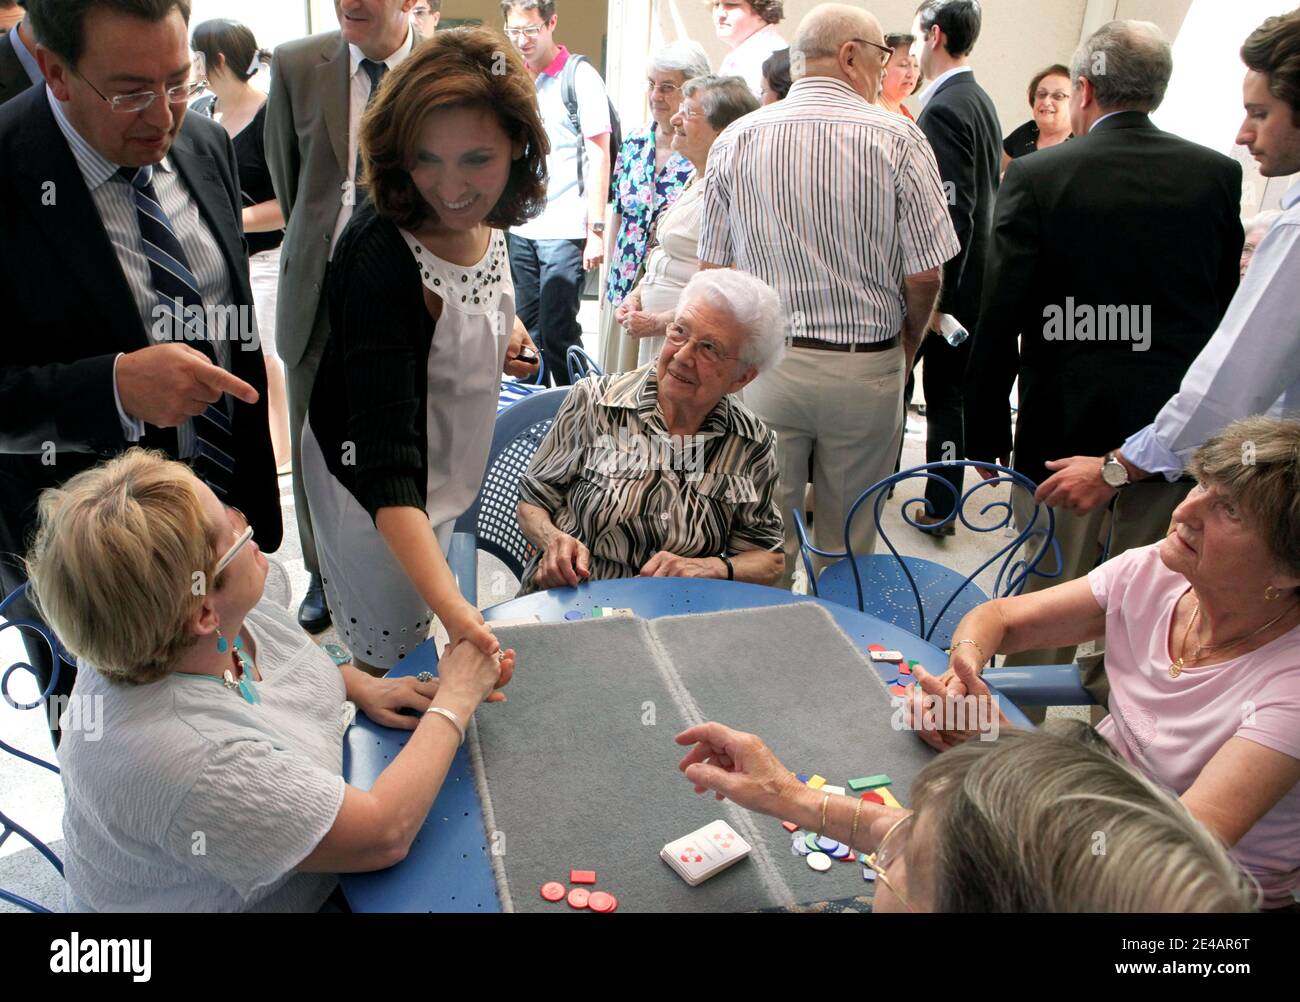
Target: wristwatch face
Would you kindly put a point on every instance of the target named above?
(1113, 472)
(597, 227)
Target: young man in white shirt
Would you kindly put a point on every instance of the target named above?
(748, 29)
(550, 253)
(1251, 364)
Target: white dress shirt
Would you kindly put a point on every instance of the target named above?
(1250, 365)
(925, 95)
(358, 96)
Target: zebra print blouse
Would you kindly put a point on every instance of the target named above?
(612, 477)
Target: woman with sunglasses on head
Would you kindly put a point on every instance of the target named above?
(212, 779)
(1000, 826)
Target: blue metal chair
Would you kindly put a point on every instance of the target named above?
(900, 589)
(7, 825)
(580, 364)
(491, 523)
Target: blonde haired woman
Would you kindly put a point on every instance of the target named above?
(215, 781)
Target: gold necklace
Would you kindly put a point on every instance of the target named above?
(1176, 668)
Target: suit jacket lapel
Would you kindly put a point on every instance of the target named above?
(333, 82)
(13, 78)
(75, 233)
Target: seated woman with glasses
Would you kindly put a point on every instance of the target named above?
(1032, 822)
(663, 471)
(212, 780)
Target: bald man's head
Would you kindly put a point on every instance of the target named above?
(829, 42)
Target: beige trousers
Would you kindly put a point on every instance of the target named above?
(849, 407)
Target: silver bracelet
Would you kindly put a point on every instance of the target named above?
(973, 644)
(442, 711)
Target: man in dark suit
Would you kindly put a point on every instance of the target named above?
(123, 273)
(18, 67)
(1113, 258)
(319, 88)
(961, 123)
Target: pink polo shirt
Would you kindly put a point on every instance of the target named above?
(1170, 728)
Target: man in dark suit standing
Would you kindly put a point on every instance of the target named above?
(320, 87)
(18, 67)
(1113, 258)
(123, 273)
(961, 123)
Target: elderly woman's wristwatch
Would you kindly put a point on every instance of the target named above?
(1113, 472)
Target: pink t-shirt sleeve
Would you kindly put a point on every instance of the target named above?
(1110, 581)
(1272, 718)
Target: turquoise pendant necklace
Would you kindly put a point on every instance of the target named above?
(244, 686)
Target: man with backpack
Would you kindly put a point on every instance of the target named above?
(550, 253)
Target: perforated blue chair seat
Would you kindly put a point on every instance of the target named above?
(887, 594)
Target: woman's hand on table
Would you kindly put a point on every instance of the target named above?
(931, 707)
(738, 767)
(565, 562)
(519, 340)
(468, 674)
(669, 565)
(382, 699)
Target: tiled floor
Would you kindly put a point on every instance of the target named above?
(33, 797)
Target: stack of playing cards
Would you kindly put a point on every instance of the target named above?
(701, 854)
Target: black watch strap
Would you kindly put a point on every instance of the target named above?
(731, 569)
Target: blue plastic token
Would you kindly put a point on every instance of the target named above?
(827, 844)
(843, 852)
(868, 874)
(573, 615)
(799, 846)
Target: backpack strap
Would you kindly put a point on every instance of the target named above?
(569, 94)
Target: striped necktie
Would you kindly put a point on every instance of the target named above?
(375, 71)
(178, 293)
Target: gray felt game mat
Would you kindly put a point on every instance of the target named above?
(578, 770)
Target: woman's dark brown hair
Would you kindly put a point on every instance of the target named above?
(458, 68)
(1055, 70)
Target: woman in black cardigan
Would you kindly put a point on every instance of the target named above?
(422, 324)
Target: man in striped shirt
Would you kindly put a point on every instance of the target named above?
(838, 205)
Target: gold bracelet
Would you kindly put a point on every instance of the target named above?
(853, 835)
(825, 800)
(973, 644)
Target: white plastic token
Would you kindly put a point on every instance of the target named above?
(819, 861)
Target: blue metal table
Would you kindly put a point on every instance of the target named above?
(448, 868)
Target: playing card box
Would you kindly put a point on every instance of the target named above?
(702, 854)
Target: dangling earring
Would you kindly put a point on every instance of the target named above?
(223, 645)
(1271, 594)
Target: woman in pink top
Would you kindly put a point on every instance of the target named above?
(1202, 649)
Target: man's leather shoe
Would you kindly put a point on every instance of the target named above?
(314, 613)
(929, 524)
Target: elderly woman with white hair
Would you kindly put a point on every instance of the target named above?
(649, 174)
(663, 471)
(709, 105)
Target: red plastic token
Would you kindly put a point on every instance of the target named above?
(552, 890)
(904, 670)
(582, 876)
(898, 690)
(579, 897)
(874, 797)
(790, 826)
(875, 647)
(602, 902)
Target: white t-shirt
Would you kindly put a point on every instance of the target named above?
(187, 798)
(747, 59)
(565, 215)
